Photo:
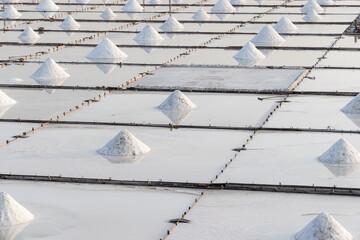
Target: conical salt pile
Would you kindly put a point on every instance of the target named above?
(11, 13)
(325, 2)
(108, 14)
(49, 70)
(238, 2)
(148, 35)
(223, 6)
(47, 5)
(171, 25)
(132, 6)
(284, 25)
(353, 106)
(5, 100)
(324, 227)
(11, 212)
(311, 5)
(69, 24)
(177, 101)
(267, 36)
(28, 35)
(125, 145)
(312, 16)
(341, 152)
(201, 15)
(106, 49)
(249, 52)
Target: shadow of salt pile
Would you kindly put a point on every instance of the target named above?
(9, 233)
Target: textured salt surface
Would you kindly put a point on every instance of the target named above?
(311, 5)
(342, 152)
(11, 12)
(201, 15)
(223, 6)
(171, 25)
(108, 14)
(49, 70)
(11, 212)
(285, 26)
(132, 6)
(106, 49)
(267, 36)
(312, 16)
(353, 106)
(5, 100)
(125, 145)
(69, 24)
(47, 5)
(324, 227)
(28, 35)
(177, 101)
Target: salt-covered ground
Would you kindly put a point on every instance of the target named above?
(178, 154)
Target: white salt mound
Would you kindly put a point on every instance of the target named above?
(82, 1)
(238, 2)
(148, 34)
(342, 152)
(223, 6)
(11, 12)
(201, 15)
(106, 49)
(325, 2)
(69, 24)
(353, 106)
(11, 212)
(267, 36)
(284, 25)
(171, 25)
(47, 5)
(249, 52)
(312, 16)
(311, 5)
(125, 145)
(5, 100)
(324, 227)
(15, 80)
(49, 70)
(132, 6)
(177, 101)
(108, 14)
(28, 35)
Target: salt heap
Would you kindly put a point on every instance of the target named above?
(11, 13)
(177, 107)
(132, 6)
(353, 106)
(249, 55)
(312, 16)
(106, 49)
(311, 5)
(69, 24)
(324, 227)
(325, 2)
(82, 1)
(108, 14)
(15, 80)
(11, 212)
(124, 145)
(201, 15)
(5, 101)
(148, 35)
(267, 37)
(28, 35)
(284, 25)
(223, 6)
(47, 5)
(177, 101)
(238, 2)
(171, 25)
(155, 2)
(342, 152)
(49, 72)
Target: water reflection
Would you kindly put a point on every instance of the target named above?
(119, 159)
(177, 116)
(9, 233)
(341, 170)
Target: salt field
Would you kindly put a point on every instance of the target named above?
(179, 119)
